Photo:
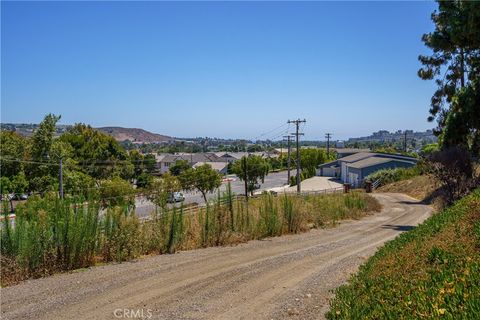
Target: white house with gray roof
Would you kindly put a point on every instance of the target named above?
(192, 158)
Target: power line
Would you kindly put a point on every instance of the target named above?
(281, 134)
(269, 132)
(81, 163)
(29, 161)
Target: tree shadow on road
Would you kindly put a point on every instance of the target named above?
(398, 227)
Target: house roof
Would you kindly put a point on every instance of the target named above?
(333, 163)
(368, 162)
(193, 157)
(364, 155)
(235, 155)
(350, 150)
(357, 156)
(159, 157)
(396, 156)
(372, 161)
(218, 166)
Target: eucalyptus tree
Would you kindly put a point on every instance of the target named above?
(455, 66)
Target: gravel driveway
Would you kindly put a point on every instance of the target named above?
(285, 277)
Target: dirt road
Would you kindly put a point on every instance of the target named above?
(285, 277)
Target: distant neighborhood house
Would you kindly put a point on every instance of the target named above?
(192, 158)
(231, 157)
(218, 161)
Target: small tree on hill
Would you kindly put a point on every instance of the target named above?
(160, 189)
(202, 178)
(179, 167)
(453, 168)
(251, 169)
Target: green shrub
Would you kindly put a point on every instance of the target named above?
(50, 234)
(386, 176)
(120, 238)
(269, 217)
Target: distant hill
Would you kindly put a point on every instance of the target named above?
(134, 135)
(118, 133)
(27, 129)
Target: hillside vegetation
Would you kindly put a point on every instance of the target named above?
(386, 176)
(430, 272)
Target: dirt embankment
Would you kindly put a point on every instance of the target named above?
(423, 188)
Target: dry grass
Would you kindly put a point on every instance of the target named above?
(423, 187)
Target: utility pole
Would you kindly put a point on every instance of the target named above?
(328, 136)
(245, 176)
(297, 134)
(60, 176)
(191, 156)
(405, 141)
(289, 139)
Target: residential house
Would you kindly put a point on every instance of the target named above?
(192, 158)
(230, 157)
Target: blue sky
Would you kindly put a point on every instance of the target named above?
(224, 69)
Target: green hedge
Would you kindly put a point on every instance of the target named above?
(387, 176)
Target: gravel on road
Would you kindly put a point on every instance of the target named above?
(289, 277)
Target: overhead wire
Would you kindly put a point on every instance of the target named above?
(269, 132)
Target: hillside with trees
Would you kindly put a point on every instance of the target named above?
(88, 156)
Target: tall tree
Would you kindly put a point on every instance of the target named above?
(98, 154)
(12, 146)
(116, 192)
(149, 162)
(160, 190)
(43, 136)
(136, 158)
(455, 66)
(43, 177)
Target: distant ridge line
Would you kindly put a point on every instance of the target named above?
(135, 135)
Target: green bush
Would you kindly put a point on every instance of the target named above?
(120, 237)
(386, 176)
(50, 235)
